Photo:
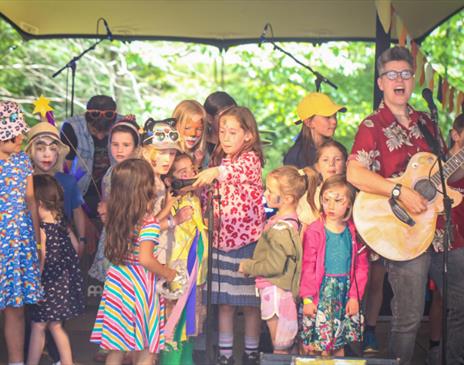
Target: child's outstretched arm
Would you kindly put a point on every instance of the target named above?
(32, 206)
(149, 262)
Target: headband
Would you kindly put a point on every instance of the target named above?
(130, 126)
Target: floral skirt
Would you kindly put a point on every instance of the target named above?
(331, 329)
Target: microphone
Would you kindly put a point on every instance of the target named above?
(428, 97)
(109, 35)
(262, 37)
(178, 184)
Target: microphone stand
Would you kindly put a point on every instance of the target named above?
(447, 202)
(319, 78)
(73, 65)
(209, 281)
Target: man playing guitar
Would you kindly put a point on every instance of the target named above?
(383, 146)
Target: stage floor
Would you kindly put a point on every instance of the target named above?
(83, 350)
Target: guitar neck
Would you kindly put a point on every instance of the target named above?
(450, 167)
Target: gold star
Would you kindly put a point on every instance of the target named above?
(42, 106)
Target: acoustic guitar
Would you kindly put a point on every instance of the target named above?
(388, 228)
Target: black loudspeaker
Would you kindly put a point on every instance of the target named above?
(274, 359)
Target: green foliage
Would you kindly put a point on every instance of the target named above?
(150, 78)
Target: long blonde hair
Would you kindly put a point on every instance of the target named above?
(183, 112)
(131, 197)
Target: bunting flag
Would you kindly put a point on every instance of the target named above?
(384, 11)
(420, 72)
(459, 102)
(450, 98)
(444, 93)
(429, 74)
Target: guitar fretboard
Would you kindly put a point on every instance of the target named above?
(450, 167)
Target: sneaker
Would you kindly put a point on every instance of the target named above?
(251, 359)
(222, 360)
(370, 344)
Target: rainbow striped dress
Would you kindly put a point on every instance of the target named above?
(131, 314)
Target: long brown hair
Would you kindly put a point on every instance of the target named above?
(248, 123)
(131, 197)
(49, 193)
(313, 179)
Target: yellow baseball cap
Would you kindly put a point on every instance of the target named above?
(317, 104)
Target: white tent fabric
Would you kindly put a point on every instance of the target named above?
(219, 22)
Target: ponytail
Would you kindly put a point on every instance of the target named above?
(313, 179)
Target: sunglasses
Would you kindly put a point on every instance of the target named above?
(161, 134)
(393, 75)
(165, 136)
(97, 114)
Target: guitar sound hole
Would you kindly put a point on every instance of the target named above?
(426, 189)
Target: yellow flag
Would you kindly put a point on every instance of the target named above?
(384, 12)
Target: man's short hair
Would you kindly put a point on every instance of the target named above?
(101, 102)
(394, 54)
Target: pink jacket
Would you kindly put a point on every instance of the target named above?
(314, 243)
(240, 219)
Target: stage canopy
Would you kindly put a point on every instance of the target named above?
(222, 23)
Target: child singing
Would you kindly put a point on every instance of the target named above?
(130, 316)
(61, 276)
(334, 273)
(239, 220)
(277, 258)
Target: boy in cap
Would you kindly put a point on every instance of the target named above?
(318, 114)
